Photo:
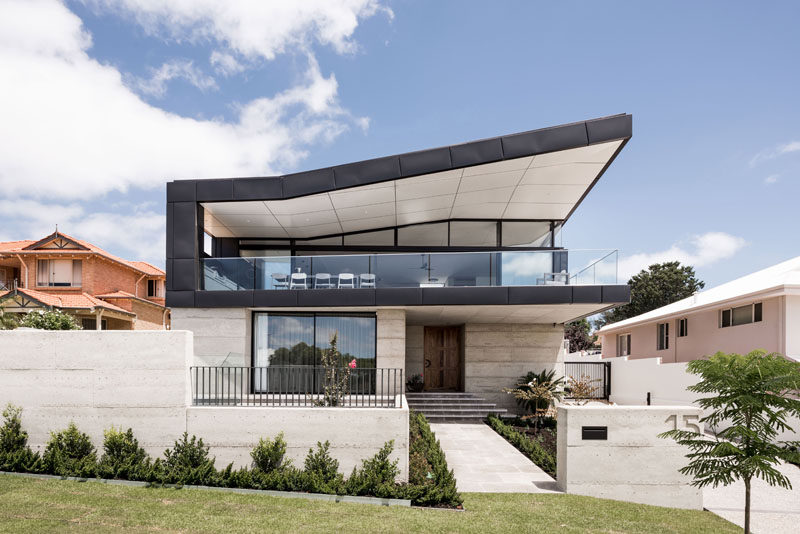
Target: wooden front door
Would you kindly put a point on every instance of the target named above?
(442, 358)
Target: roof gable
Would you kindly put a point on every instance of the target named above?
(56, 241)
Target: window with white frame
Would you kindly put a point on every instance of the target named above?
(750, 313)
(59, 273)
(663, 336)
(624, 345)
(683, 327)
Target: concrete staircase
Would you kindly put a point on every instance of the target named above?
(449, 407)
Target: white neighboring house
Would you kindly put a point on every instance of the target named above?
(757, 311)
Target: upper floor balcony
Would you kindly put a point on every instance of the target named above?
(412, 270)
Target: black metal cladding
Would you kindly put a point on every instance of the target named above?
(183, 242)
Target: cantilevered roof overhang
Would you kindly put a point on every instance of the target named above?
(538, 175)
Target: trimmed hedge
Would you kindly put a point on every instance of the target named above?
(71, 453)
(526, 446)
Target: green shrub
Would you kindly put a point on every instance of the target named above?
(376, 475)
(122, 456)
(530, 448)
(321, 474)
(8, 321)
(15, 455)
(49, 320)
(187, 463)
(431, 483)
(270, 455)
(70, 453)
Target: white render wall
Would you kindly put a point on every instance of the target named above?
(633, 464)
(140, 380)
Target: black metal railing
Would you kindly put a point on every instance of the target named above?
(599, 373)
(298, 386)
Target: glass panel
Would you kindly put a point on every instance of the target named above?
(228, 274)
(429, 235)
(336, 265)
(726, 318)
(264, 252)
(526, 234)
(77, 270)
(43, 273)
(283, 340)
(335, 240)
(208, 244)
(757, 312)
(469, 269)
(528, 269)
(473, 233)
(380, 238)
(742, 315)
(355, 338)
(401, 270)
(273, 272)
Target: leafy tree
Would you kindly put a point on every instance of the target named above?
(658, 285)
(49, 320)
(751, 399)
(579, 336)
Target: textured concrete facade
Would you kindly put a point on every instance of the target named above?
(221, 335)
(633, 463)
(496, 355)
(140, 380)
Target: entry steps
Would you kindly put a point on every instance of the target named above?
(447, 407)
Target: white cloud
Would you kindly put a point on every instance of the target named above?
(72, 129)
(774, 152)
(225, 64)
(251, 28)
(136, 234)
(703, 250)
(771, 179)
(184, 69)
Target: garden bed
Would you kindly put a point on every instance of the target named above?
(538, 444)
(70, 453)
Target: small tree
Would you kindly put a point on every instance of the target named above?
(537, 393)
(751, 398)
(579, 336)
(337, 375)
(581, 389)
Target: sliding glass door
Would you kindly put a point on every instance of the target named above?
(288, 348)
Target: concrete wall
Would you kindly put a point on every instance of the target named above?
(631, 380)
(496, 355)
(705, 336)
(633, 464)
(221, 335)
(415, 350)
(140, 380)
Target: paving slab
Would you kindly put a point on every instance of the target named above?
(773, 510)
(482, 461)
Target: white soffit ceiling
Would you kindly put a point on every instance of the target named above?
(546, 186)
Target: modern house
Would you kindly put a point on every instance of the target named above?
(758, 311)
(101, 290)
(446, 262)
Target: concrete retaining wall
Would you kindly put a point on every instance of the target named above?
(140, 380)
(633, 463)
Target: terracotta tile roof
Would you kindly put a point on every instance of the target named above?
(141, 266)
(68, 300)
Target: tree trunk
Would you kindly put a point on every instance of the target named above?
(747, 506)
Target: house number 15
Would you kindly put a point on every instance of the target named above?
(689, 421)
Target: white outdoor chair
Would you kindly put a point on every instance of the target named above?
(322, 280)
(367, 280)
(299, 281)
(347, 280)
(280, 281)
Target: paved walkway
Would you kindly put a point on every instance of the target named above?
(772, 510)
(482, 461)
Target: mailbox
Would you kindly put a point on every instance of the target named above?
(594, 432)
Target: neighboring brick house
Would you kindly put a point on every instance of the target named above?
(98, 288)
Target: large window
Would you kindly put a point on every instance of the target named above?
(59, 273)
(751, 313)
(526, 234)
(296, 341)
(155, 288)
(624, 345)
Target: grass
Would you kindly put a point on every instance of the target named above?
(30, 505)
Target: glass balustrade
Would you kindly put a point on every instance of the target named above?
(446, 269)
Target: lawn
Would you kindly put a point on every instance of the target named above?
(29, 505)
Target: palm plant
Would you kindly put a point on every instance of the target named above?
(751, 399)
(537, 392)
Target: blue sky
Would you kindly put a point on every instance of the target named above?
(102, 102)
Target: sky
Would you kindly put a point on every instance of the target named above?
(103, 102)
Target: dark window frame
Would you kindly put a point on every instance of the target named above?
(683, 327)
(662, 336)
(726, 315)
